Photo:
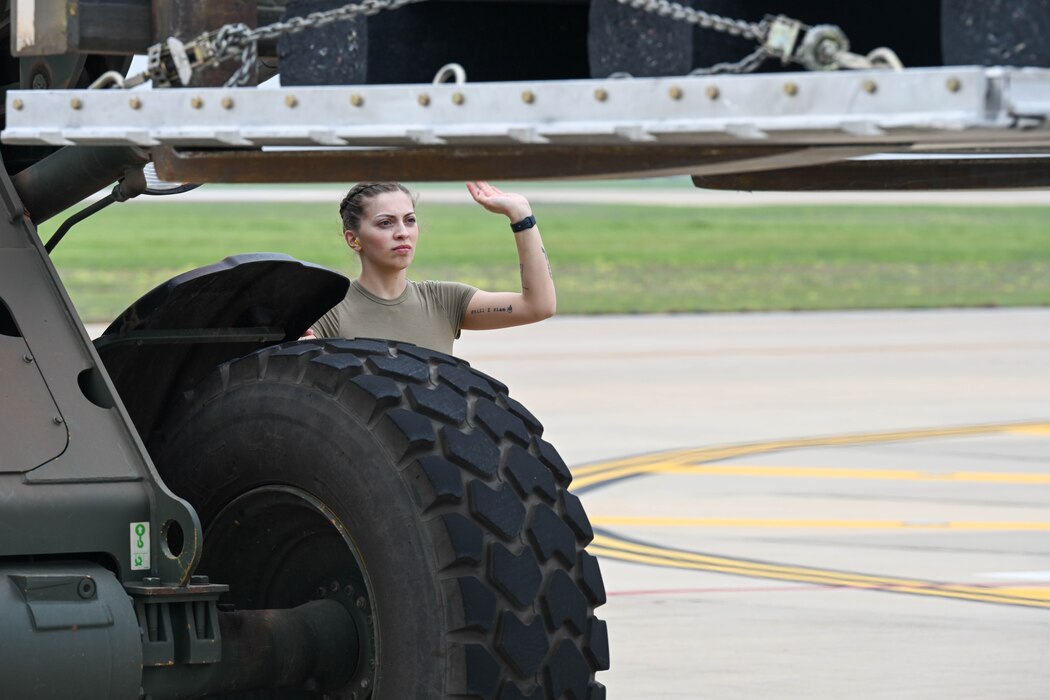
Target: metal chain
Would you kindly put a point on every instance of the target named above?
(747, 64)
(707, 20)
(880, 58)
(318, 19)
(229, 39)
(233, 40)
(239, 38)
(822, 47)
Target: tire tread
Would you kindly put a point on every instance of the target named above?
(493, 496)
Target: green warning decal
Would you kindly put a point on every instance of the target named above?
(139, 546)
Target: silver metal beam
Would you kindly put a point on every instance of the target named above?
(917, 109)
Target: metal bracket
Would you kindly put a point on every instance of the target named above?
(165, 61)
(783, 37)
(179, 624)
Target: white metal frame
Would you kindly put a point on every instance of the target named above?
(934, 109)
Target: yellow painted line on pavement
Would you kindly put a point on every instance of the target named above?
(850, 473)
(612, 547)
(1027, 592)
(690, 461)
(642, 521)
(1038, 430)
(595, 474)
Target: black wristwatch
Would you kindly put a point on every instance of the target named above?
(528, 222)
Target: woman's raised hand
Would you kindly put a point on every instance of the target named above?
(514, 206)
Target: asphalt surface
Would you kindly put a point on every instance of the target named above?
(833, 505)
(806, 505)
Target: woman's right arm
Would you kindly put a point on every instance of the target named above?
(537, 299)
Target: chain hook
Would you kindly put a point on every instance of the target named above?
(451, 71)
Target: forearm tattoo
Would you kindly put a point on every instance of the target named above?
(524, 287)
(549, 271)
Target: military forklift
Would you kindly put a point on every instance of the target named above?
(200, 504)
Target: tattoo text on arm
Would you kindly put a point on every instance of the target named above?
(549, 271)
(509, 308)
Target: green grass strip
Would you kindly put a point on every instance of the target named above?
(609, 259)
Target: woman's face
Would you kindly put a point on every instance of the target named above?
(386, 237)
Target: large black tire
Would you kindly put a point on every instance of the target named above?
(414, 487)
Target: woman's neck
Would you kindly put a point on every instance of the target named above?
(384, 286)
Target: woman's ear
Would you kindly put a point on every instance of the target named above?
(352, 240)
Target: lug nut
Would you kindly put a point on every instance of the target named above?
(361, 603)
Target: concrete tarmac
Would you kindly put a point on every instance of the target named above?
(806, 505)
(821, 505)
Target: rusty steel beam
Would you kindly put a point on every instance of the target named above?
(454, 163)
(906, 174)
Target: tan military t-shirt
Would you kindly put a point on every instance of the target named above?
(428, 314)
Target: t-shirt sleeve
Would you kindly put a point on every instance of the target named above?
(328, 325)
(454, 298)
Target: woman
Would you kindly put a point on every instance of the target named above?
(379, 224)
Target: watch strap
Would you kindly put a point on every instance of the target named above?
(526, 223)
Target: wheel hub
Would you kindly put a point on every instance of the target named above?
(279, 547)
